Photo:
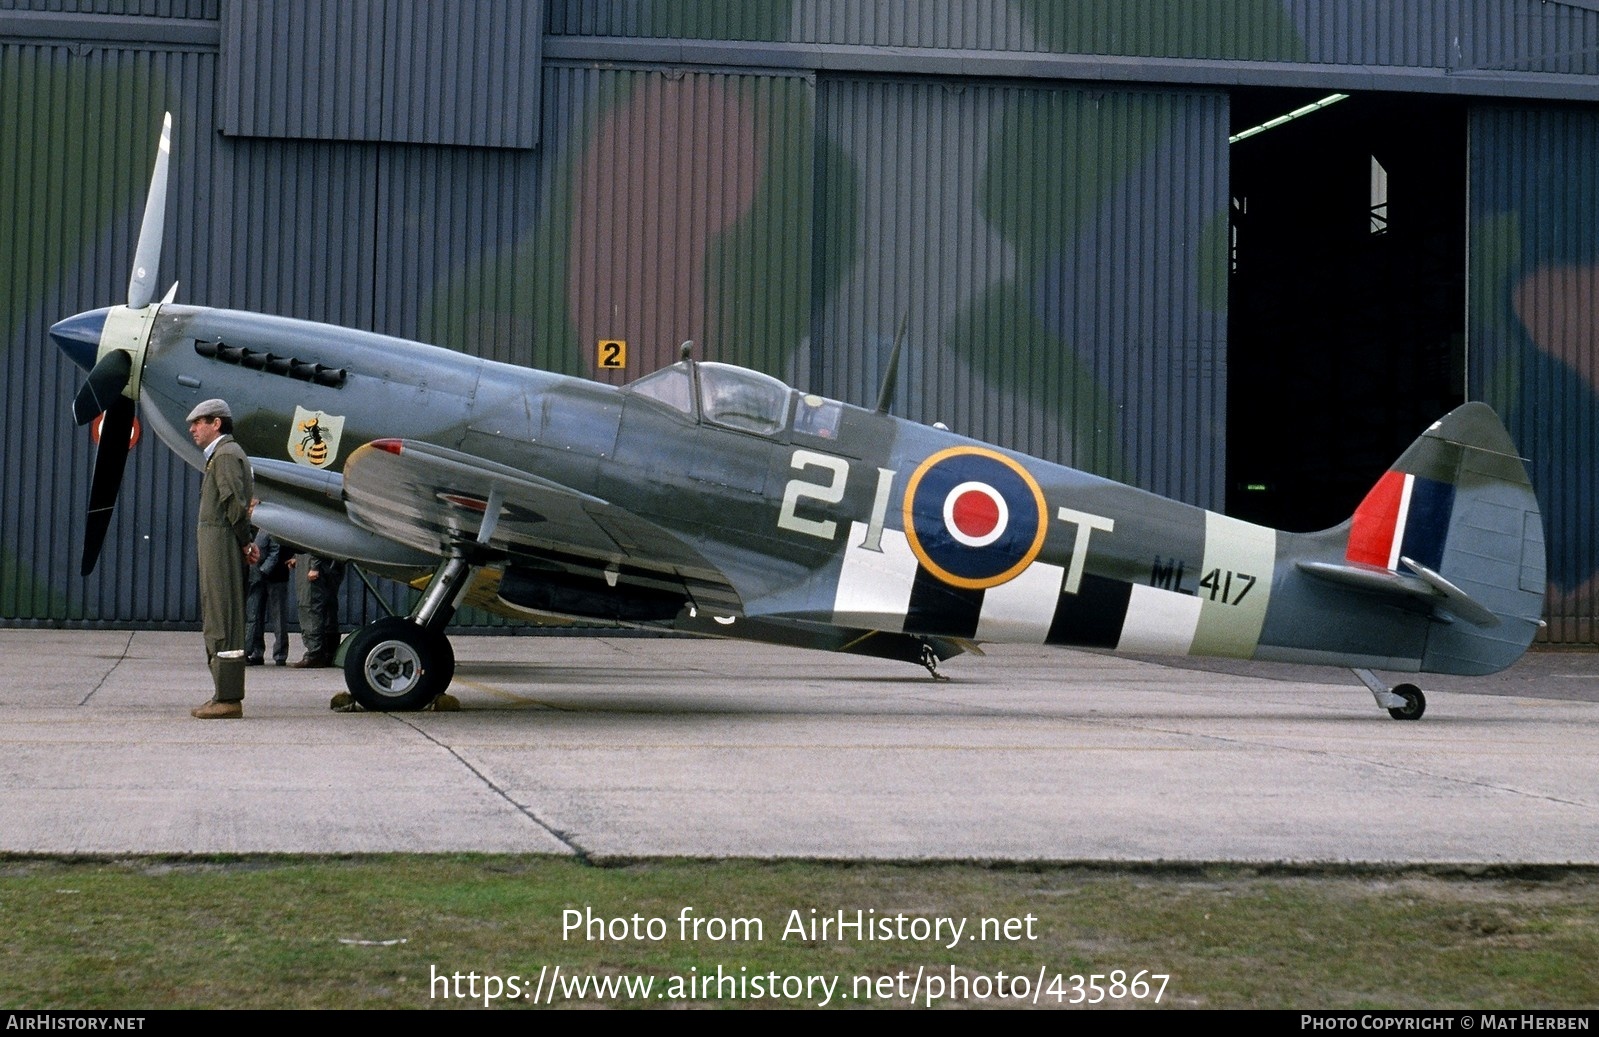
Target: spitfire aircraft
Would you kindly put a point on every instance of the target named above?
(711, 499)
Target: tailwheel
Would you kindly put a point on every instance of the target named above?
(394, 665)
(1415, 702)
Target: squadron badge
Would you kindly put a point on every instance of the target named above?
(314, 437)
(974, 517)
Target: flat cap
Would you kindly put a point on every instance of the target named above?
(210, 409)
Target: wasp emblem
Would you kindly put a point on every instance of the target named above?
(312, 446)
(314, 437)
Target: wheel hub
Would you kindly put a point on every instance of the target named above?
(393, 668)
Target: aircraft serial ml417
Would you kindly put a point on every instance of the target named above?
(716, 500)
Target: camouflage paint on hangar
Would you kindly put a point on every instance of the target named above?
(1470, 35)
(529, 301)
(726, 208)
(673, 206)
(1534, 325)
(1232, 29)
(59, 122)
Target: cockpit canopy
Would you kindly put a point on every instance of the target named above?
(733, 397)
(673, 386)
(743, 399)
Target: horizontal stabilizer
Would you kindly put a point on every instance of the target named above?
(1425, 587)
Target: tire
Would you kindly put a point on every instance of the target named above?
(1415, 703)
(395, 666)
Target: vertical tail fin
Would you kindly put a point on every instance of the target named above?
(1457, 510)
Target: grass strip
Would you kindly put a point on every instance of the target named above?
(379, 931)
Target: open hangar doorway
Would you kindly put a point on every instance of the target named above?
(1347, 294)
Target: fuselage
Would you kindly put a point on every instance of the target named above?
(816, 512)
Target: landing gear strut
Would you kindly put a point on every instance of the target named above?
(399, 665)
(1402, 701)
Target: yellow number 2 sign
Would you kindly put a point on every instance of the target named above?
(611, 353)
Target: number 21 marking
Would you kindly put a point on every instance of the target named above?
(830, 492)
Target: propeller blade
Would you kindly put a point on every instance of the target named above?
(146, 259)
(105, 384)
(109, 460)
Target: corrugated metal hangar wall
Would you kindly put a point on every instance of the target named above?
(1041, 190)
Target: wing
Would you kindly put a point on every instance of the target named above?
(443, 501)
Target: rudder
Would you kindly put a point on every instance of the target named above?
(1458, 511)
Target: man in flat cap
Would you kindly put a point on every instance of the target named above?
(225, 543)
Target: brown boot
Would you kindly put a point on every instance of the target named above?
(311, 662)
(215, 710)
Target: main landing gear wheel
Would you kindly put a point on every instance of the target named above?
(395, 666)
(1415, 702)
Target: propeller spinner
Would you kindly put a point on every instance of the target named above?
(111, 344)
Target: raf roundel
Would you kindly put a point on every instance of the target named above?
(975, 514)
(974, 517)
